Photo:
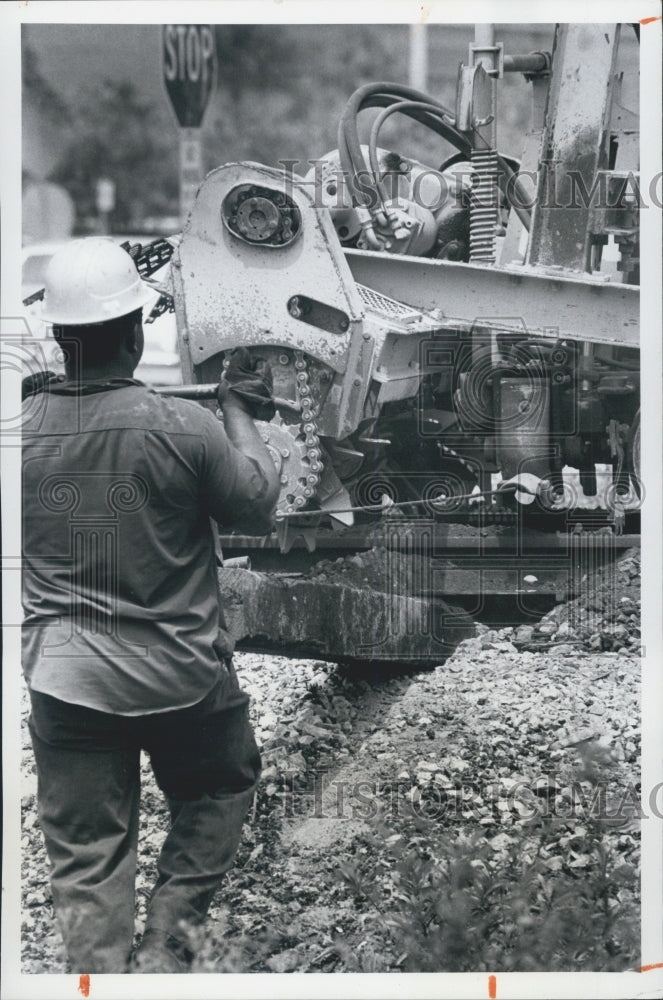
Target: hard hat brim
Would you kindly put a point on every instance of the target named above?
(141, 299)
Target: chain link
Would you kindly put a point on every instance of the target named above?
(303, 492)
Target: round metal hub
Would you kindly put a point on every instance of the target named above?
(258, 218)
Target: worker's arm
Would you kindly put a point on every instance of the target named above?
(244, 435)
(240, 482)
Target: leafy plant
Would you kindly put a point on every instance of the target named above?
(535, 904)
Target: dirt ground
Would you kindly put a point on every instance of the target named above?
(479, 815)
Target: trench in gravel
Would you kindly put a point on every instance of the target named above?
(512, 703)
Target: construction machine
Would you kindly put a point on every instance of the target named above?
(455, 350)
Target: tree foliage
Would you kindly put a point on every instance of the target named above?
(39, 90)
(119, 135)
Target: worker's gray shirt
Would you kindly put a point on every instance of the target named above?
(119, 568)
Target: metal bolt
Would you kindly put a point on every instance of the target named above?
(285, 453)
(357, 382)
(265, 437)
(284, 479)
(308, 492)
(283, 359)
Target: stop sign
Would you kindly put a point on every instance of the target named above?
(189, 70)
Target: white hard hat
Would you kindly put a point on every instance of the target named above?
(90, 281)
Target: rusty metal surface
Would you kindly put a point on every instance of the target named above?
(230, 293)
(576, 139)
(515, 298)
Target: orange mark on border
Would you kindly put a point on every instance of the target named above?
(648, 968)
(492, 987)
(649, 20)
(84, 985)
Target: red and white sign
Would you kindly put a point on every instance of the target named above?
(189, 70)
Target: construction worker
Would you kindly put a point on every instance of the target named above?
(124, 645)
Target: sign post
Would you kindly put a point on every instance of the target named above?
(105, 198)
(189, 73)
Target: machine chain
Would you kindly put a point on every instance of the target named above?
(309, 429)
(149, 257)
(487, 515)
(452, 453)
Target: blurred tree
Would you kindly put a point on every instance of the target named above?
(45, 115)
(119, 135)
(251, 56)
(281, 88)
(39, 91)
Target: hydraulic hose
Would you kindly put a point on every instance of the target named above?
(428, 112)
(385, 94)
(400, 107)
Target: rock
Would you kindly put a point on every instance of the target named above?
(285, 961)
(296, 762)
(504, 647)
(501, 842)
(457, 764)
(524, 633)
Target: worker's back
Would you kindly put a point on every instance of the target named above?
(119, 561)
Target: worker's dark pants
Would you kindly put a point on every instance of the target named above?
(206, 762)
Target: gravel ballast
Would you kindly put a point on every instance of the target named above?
(518, 758)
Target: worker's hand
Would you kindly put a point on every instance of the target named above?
(33, 384)
(248, 380)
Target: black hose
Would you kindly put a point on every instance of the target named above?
(384, 94)
(423, 109)
(400, 107)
